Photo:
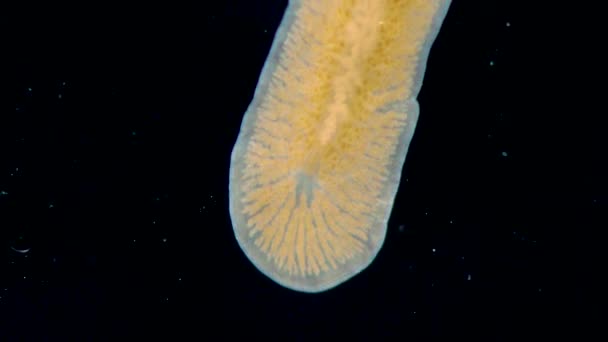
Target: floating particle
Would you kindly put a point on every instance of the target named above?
(21, 250)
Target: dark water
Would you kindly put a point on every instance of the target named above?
(116, 127)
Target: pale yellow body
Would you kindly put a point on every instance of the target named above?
(318, 159)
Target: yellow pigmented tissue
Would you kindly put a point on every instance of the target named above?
(318, 159)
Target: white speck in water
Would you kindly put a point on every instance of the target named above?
(51, 205)
(153, 222)
(434, 250)
(2, 193)
(504, 154)
(469, 277)
(22, 251)
(508, 24)
(540, 290)
(164, 239)
(491, 63)
(59, 96)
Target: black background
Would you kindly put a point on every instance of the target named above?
(116, 127)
